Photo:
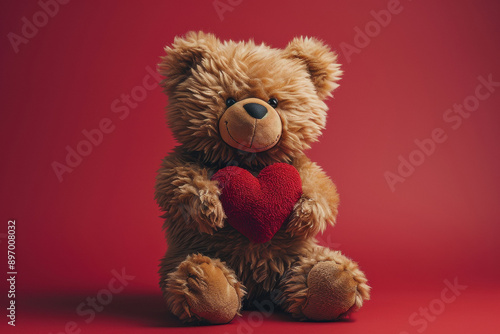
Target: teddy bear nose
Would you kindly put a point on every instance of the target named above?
(255, 110)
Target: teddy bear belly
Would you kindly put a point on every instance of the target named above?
(258, 266)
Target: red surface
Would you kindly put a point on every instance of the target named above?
(258, 206)
(89, 67)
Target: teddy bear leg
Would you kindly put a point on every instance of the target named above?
(203, 290)
(325, 285)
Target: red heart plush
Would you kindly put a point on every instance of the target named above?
(258, 206)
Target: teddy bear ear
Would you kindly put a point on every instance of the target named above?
(185, 53)
(320, 61)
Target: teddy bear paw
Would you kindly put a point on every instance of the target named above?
(332, 292)
(211, 211)
(203, 290)
(305, 218)
(324, 286)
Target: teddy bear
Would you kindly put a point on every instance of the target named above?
(242, 202)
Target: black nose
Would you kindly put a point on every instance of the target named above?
(255, 110)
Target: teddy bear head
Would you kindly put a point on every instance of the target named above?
(246, 103)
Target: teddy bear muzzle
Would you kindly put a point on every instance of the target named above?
(250, 125)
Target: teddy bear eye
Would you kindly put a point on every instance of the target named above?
(273, 102)
(230, 101)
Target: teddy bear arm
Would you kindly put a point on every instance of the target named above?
(186, 193)
(318, 205)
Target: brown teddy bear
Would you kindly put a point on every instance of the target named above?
(242, 202)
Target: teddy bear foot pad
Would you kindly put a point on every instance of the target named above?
(203, 290)
(323, 287)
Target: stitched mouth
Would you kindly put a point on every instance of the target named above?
(229, 133)
(253, 136)
(272, 144)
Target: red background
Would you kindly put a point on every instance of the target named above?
(440, 224)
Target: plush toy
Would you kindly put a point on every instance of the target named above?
(242, 202)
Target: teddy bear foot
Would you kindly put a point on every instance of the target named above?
(331, 292)
(203, 290)
(326, 287)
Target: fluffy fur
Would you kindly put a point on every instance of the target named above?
(201, 73)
